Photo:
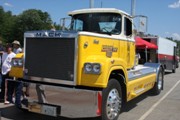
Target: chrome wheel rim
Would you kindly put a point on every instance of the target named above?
(113, 104)
(160, 81)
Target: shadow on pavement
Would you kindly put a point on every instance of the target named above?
(13, 113)
(133, 103)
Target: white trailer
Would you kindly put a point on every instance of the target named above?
(165, 54)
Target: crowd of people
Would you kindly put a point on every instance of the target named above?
(11, 88)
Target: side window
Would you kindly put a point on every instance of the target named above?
(78, 25)
(127, 27)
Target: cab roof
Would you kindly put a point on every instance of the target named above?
(98, 10)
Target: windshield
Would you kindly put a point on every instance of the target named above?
(107, 23)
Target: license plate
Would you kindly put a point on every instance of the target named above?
(44, 109)
(49, 110)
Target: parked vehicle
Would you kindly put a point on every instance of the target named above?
(88, 71)
(165, 54)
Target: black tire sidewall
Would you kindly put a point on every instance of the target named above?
(174, 70)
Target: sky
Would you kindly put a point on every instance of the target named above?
(163, 15)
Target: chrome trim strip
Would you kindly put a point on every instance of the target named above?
(24, 56)
(75, 60)
(143, 75)
(156, 66)
(142, 71)
(51, 34)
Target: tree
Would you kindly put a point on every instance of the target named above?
(6, 27)
(12, 27)
(170, 38)
(31, 20)
(9, 22)
(1, 20)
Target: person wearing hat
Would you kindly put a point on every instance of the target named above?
(16, 47)
(6, 67)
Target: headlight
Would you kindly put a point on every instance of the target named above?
(92, 68)
(17, 62)
(97, 68)
(88, 67)
(20, 62)
(14, 62)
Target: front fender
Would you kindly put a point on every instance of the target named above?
(99, 80)
(157, 66)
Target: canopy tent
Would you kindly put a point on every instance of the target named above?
(142, 44)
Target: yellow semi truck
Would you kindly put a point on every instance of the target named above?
(88, 71)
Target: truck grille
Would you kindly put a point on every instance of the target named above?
(50, 58)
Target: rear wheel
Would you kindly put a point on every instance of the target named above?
(112, 100)
(174, 70)
(159, 83)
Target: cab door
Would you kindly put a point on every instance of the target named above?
(130, 42)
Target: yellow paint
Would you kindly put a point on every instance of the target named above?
(17, 71)
(110, 53)
(140, 85)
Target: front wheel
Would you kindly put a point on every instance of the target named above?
(111, 100)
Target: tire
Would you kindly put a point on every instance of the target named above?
(159, 83)
(23, 110)
(174, 70)
(111, 100)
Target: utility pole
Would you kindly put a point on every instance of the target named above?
(133, 4)
(91, 4)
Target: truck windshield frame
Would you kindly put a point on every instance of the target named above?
(104, 23)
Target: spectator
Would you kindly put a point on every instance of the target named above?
(1, 51)
(16, 50)
(16, 47)
(1, 46)
(6, 67)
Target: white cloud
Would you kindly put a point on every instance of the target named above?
(8, 5)
(176, 36)
(175, 5)
(167, 33)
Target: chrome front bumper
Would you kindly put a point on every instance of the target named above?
(61, 101)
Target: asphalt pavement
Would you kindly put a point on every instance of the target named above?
(165, 106)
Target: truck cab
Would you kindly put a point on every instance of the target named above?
(91, 67)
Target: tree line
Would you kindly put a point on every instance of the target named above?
(12, 27)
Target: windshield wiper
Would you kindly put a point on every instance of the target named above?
(106, 31)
